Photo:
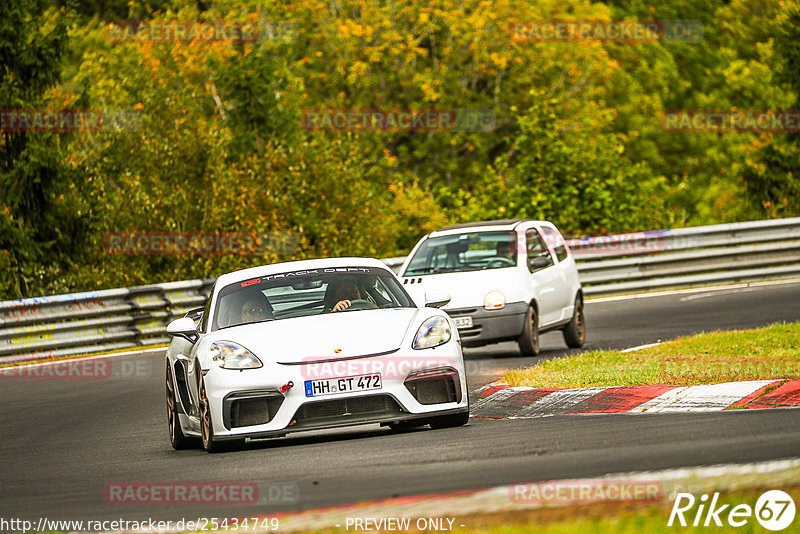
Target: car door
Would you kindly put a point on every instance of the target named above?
(545, 280)
(565, 269)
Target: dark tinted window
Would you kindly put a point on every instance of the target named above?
(307, 292)
(536, 248)
(471, 251)
(554, 239)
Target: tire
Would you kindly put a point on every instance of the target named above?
(575, 331)
(449, 421)
(207, 428)
(529, 340)
(177, 438)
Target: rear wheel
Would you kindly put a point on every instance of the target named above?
(177, 438)
(448, 421)
(529, 340)
(207, 428)
(575, 331)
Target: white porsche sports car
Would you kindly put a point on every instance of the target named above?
(308, 345)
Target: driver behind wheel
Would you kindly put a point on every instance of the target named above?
(345, 294)
(256, 308)
(506, 250)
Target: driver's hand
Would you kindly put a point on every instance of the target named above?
(341, 305)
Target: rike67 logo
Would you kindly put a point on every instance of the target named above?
(774, 510)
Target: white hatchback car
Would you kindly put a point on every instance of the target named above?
(509, 280)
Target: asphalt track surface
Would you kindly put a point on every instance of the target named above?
(63, 441)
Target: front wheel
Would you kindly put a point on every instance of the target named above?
(449, 421)
(529, 340)
(207, 428)
(575, 331)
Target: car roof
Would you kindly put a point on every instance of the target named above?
(483, 226)
(300, 265)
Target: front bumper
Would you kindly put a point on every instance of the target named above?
(249, 403)
(491, 326)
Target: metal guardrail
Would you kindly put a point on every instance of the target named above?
(61, 325)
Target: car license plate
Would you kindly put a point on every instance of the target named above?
(334, 386)
(463, 322)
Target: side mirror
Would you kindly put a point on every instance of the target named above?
(540, 262)
(435, 298)
(183, 327)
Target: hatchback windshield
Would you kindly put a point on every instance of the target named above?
(308, 292)
(464, 252)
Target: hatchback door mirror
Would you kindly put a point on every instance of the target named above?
(183, 327)
(540, 262)
(436, 298)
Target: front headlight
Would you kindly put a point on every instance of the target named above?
(494, 300)
(230, 355)
(433, 332)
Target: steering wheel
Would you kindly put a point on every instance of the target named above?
(360, 304)
(500, 262)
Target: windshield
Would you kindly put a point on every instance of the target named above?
(308, 292)
(464, 252)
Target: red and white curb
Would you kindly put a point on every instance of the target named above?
(499, 400)
(452, 510)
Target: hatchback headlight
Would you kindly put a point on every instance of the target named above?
(494, 300)
(433, 332)
(230, 355)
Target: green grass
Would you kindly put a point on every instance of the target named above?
(761, 354)
(606, 518)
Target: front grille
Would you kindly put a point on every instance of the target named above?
(461, 312)
(352, 409)
(249, 409)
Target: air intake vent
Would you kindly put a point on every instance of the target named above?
(252, 408)
(437, 386)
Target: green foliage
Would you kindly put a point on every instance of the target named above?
(35, 225)
(217, 145)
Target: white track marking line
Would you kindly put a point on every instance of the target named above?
(97, 357)
(705, 398)
(642, 347)
(590, 300)
(715, 293)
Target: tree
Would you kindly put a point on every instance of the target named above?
(35, 227)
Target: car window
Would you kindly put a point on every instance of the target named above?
(554, 239)
(536, 248)
(206, 312)
(471, 251)
(307, 292)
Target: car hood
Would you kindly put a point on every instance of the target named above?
(318, 337)
(468, 289)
